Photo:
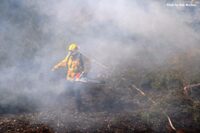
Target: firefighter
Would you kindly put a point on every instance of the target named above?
(77, 65)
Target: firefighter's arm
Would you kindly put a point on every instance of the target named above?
(61, 64)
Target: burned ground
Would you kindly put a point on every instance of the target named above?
(109, 108)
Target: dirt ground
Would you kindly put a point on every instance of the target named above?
(104, 110)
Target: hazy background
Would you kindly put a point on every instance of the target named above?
(121, 34)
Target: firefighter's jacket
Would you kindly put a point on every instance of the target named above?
(76, 64)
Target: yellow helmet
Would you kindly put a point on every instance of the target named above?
(73, 47)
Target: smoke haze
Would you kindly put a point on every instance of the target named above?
(122, 35)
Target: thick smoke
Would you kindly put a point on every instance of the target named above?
(119, 34)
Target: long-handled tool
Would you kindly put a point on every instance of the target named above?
(95, 61)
